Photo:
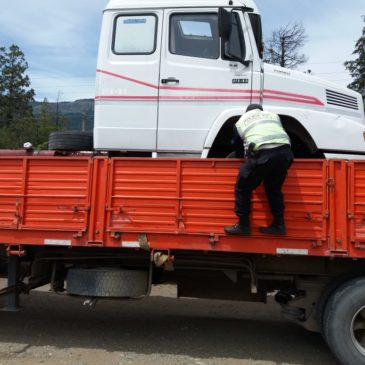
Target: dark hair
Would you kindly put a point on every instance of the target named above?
(253, 107)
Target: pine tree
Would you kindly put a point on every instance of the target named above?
(357, 67)
(16, 95)
(45, 125)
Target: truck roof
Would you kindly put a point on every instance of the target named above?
(158, 4)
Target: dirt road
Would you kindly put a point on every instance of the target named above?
(163, 330)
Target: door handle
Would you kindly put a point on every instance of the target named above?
(170, 80)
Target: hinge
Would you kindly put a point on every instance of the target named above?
(116, 235)
(143, 241)
(213, 239)
(359, 245)
(80, 208)
(17, 214)
(317, 243)
(78, 234)
(180, 222)
(331, 183)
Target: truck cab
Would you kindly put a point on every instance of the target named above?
(174, 76)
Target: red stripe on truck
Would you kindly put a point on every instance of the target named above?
(268, 93)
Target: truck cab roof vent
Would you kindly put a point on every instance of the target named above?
(343, 100)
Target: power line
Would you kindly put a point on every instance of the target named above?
(60, 77)
(64, 86)
(340, 80)
(324, 63)
(329, 73)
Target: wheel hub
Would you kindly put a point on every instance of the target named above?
(358, 330)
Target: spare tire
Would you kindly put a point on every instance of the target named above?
(71, 141)
(107, 282)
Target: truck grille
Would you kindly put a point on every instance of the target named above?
(343, 100)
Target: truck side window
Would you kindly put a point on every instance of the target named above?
(134, 34)
(236, 40)
(257, 31)
(194, 35)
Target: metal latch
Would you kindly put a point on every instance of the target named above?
(15, 250)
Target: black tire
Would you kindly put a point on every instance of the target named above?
(326, 294)
(344, 322)
(71, 141)
(107, 282)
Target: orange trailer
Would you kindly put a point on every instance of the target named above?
(102, 227)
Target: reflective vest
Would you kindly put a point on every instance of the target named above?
(261, 127)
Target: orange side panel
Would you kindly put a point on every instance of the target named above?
(206, 195)
(57, 194)
(306, 200)
(356, 206)
(44, 199)
(143, 195)
(11, 186)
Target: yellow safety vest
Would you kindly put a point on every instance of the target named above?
(261, 127)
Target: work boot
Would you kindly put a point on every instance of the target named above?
(238, 229)
(275, 229)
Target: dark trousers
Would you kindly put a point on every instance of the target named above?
(269, 166)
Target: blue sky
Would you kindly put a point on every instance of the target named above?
(60, 38)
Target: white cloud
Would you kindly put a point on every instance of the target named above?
(332, 41)
(59, 40)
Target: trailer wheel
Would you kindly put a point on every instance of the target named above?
(107, 282)
(71, 141)
(344, 322)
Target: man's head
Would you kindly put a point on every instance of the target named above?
(253, 107)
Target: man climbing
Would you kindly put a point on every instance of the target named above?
(268, 157)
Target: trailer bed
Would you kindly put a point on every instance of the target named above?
(176, 204)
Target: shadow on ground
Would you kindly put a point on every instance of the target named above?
(164, 325)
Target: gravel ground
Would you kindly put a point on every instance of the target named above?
(162, 330)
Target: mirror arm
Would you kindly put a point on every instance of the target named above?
(244, 9)
(246, 63)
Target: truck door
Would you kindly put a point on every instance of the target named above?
(197, 84)
(127, 80)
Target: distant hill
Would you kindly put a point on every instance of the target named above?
(75, 112)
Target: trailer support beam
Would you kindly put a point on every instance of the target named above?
(12, 299)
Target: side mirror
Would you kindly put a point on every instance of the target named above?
(224, 23)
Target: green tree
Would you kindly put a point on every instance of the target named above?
(357, 67)
(16, 95)
(45, 125)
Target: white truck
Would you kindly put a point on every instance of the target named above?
(173, 77)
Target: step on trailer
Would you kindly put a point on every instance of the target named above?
(99, 227)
